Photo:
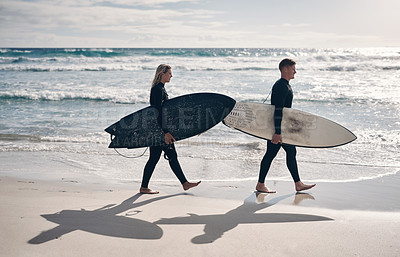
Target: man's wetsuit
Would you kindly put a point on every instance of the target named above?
(158, 96)
(282, 96)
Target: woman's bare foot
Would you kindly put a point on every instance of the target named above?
(188, 185)
(144, 190)
(263, 189)
(300, 186)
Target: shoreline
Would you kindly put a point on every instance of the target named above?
(378, 194)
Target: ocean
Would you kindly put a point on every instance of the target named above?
(55, 104)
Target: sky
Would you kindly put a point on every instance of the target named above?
(200, 23)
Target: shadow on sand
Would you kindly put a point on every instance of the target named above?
(103, 221)
(216, 225)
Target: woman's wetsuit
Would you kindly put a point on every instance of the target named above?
(282, 96)
(158, 96)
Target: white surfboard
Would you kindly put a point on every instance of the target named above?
(298, 128)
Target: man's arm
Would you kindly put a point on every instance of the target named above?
(278, 99)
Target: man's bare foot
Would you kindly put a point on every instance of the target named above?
(299, 197)
(300, 186)
(263, 189)
(144, 190)
(189, 185)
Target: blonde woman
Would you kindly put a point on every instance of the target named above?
(158, 95)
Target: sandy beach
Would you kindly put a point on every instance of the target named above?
(68, 217)
(63, 192)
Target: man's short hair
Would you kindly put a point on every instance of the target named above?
(286, 62)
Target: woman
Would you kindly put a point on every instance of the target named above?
(158, 96)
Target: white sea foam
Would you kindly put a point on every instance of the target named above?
(58, 101)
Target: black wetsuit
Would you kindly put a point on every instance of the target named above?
(282, 96)
(158, 96)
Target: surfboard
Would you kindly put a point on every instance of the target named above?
(184, 116)
(298, 128)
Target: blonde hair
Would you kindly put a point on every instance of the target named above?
(161, 69)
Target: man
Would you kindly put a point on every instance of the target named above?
(282, 96)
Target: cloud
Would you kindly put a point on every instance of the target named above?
(43, 15)
(300, 25)
(93, 18)
(147, 2)
(191, 23)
